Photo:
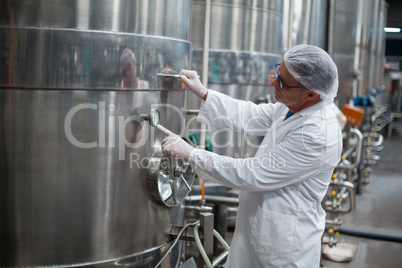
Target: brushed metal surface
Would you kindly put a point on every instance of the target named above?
(240, 25)
(245, 45)
(152, 17)
(53, 58)
(343, 42)
(358, 46)
(61, 203)
(73, 147)
(308, 22)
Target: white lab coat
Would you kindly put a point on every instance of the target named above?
(280, 220)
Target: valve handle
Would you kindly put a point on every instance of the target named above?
(185, 182)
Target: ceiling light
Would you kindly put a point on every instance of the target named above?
(392, 30)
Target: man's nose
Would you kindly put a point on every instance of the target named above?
(275, 82)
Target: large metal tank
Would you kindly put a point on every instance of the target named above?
(245, 44)
(372, 45)
(357, 43)
(247, 39)
(375, 24)
(73, 147)
(305, 23)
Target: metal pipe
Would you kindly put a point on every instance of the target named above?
(191, 111)
(383, 237)
(308, 19)
(349, 151)
(215, 199)
(379, 142)
(384, 123)
(378, 113)
(331, 28)
(351, 189)
(287, 30)
(205, 57)
(358, 46)
(358, 150)
(220, 259)
(372, 55)
(359, 145)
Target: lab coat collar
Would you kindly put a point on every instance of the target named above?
(312, 109)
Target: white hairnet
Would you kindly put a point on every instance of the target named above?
(312, 67)
(127, 53)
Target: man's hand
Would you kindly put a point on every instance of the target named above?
(190, 78)
(174, 145)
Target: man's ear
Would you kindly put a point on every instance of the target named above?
(311, 95)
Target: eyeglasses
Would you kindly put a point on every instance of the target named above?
(281, 84)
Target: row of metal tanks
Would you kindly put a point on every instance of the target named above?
(82, 178)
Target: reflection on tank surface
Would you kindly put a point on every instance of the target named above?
(75, 76)
(128, 71)
(87, 60)
(236, 67)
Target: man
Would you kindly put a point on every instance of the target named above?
(128, 71)
(280, 220)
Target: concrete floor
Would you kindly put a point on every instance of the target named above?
(378, 210)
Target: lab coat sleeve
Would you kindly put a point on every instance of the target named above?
(298, 157)
(221, 111)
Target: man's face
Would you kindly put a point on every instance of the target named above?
(129, 70)
(291, 97)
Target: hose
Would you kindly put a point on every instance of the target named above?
(201, 248)
(176, 240)
(383, 237)
(220, 239)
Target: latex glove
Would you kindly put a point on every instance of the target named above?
(174, 145)
(190, 78)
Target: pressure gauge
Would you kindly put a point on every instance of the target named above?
(153, 117)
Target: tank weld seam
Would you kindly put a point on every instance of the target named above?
(23, 27)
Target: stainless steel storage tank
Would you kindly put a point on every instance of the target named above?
(75, 76)
(372, 15)
(305, 23)
(245, 44)
(357, 44)
(247, 39)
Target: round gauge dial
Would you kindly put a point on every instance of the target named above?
(154, 117)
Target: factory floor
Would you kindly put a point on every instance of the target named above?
(378, 210)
